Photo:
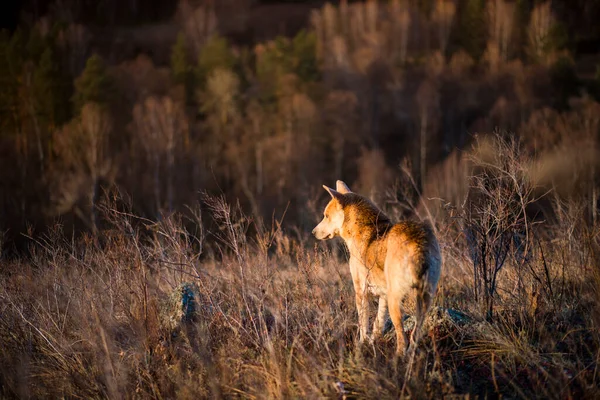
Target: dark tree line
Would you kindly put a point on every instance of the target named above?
(365, 88)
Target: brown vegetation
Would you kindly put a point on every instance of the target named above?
(471, 116)
(149, 309)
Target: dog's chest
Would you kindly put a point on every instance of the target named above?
(367, 278)
(367, 267)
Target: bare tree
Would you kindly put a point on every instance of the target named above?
(82, 147)
(428, 101)
(401, 20)
(95, 127)
(161, 126)
(494, 214)
(27, 94)
(340, 114)
(219, 102)
(538, 31)
(76, 39)
(198, 23)
(297, 115)
(500, 15)
(443, 15)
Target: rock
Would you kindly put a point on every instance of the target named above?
(180, 307)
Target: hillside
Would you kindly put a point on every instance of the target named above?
(161, 169)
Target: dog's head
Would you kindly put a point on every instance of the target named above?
(333, 216)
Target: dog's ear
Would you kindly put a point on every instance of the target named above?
(334, 193)
(341, 187)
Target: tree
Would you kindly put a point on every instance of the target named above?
(220, 98)
(565, 82)
(428, 100)
(401, 27)
(11, 64)
(304, 56)
(500, 20)
(181, 70)
(443, 15)
(546, 36)
(199, 24)
(214, 54)
(471, 27)
(161, 126)
(82, 150)
(282, 57)
(94, 85)
(341, 119)
(49, 90)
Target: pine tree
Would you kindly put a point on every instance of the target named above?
(94, 85)
(304, 56)
(50, 90)
(180, 67)
(181, 70)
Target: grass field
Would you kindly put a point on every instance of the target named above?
(233, 307)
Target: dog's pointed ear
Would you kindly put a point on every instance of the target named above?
(334, 193)
(341, 187)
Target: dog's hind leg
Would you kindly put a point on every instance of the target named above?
(380, 319)
(423, 302)
(395, 308)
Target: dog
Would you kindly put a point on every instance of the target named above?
(387, 260)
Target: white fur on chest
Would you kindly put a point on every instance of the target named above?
(363, 278)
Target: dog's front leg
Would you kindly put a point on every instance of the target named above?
(362, 306)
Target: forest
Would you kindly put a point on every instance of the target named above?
(161, 169)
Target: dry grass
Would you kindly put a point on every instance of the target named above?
(161, 310)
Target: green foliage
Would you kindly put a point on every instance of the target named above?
(181, 69)
(33, 63)
(220, 100)
(304, 56)
(271, 64)
(284, 56)
(94, 85)
(216, 53)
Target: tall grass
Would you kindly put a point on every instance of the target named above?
(213, 304)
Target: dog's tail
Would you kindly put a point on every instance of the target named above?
(430, 259)
(426, 284)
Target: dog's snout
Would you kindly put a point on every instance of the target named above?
(313, 231)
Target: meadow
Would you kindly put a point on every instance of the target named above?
(250, 309)
(161, 172)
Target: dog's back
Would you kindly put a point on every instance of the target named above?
(417, 242)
